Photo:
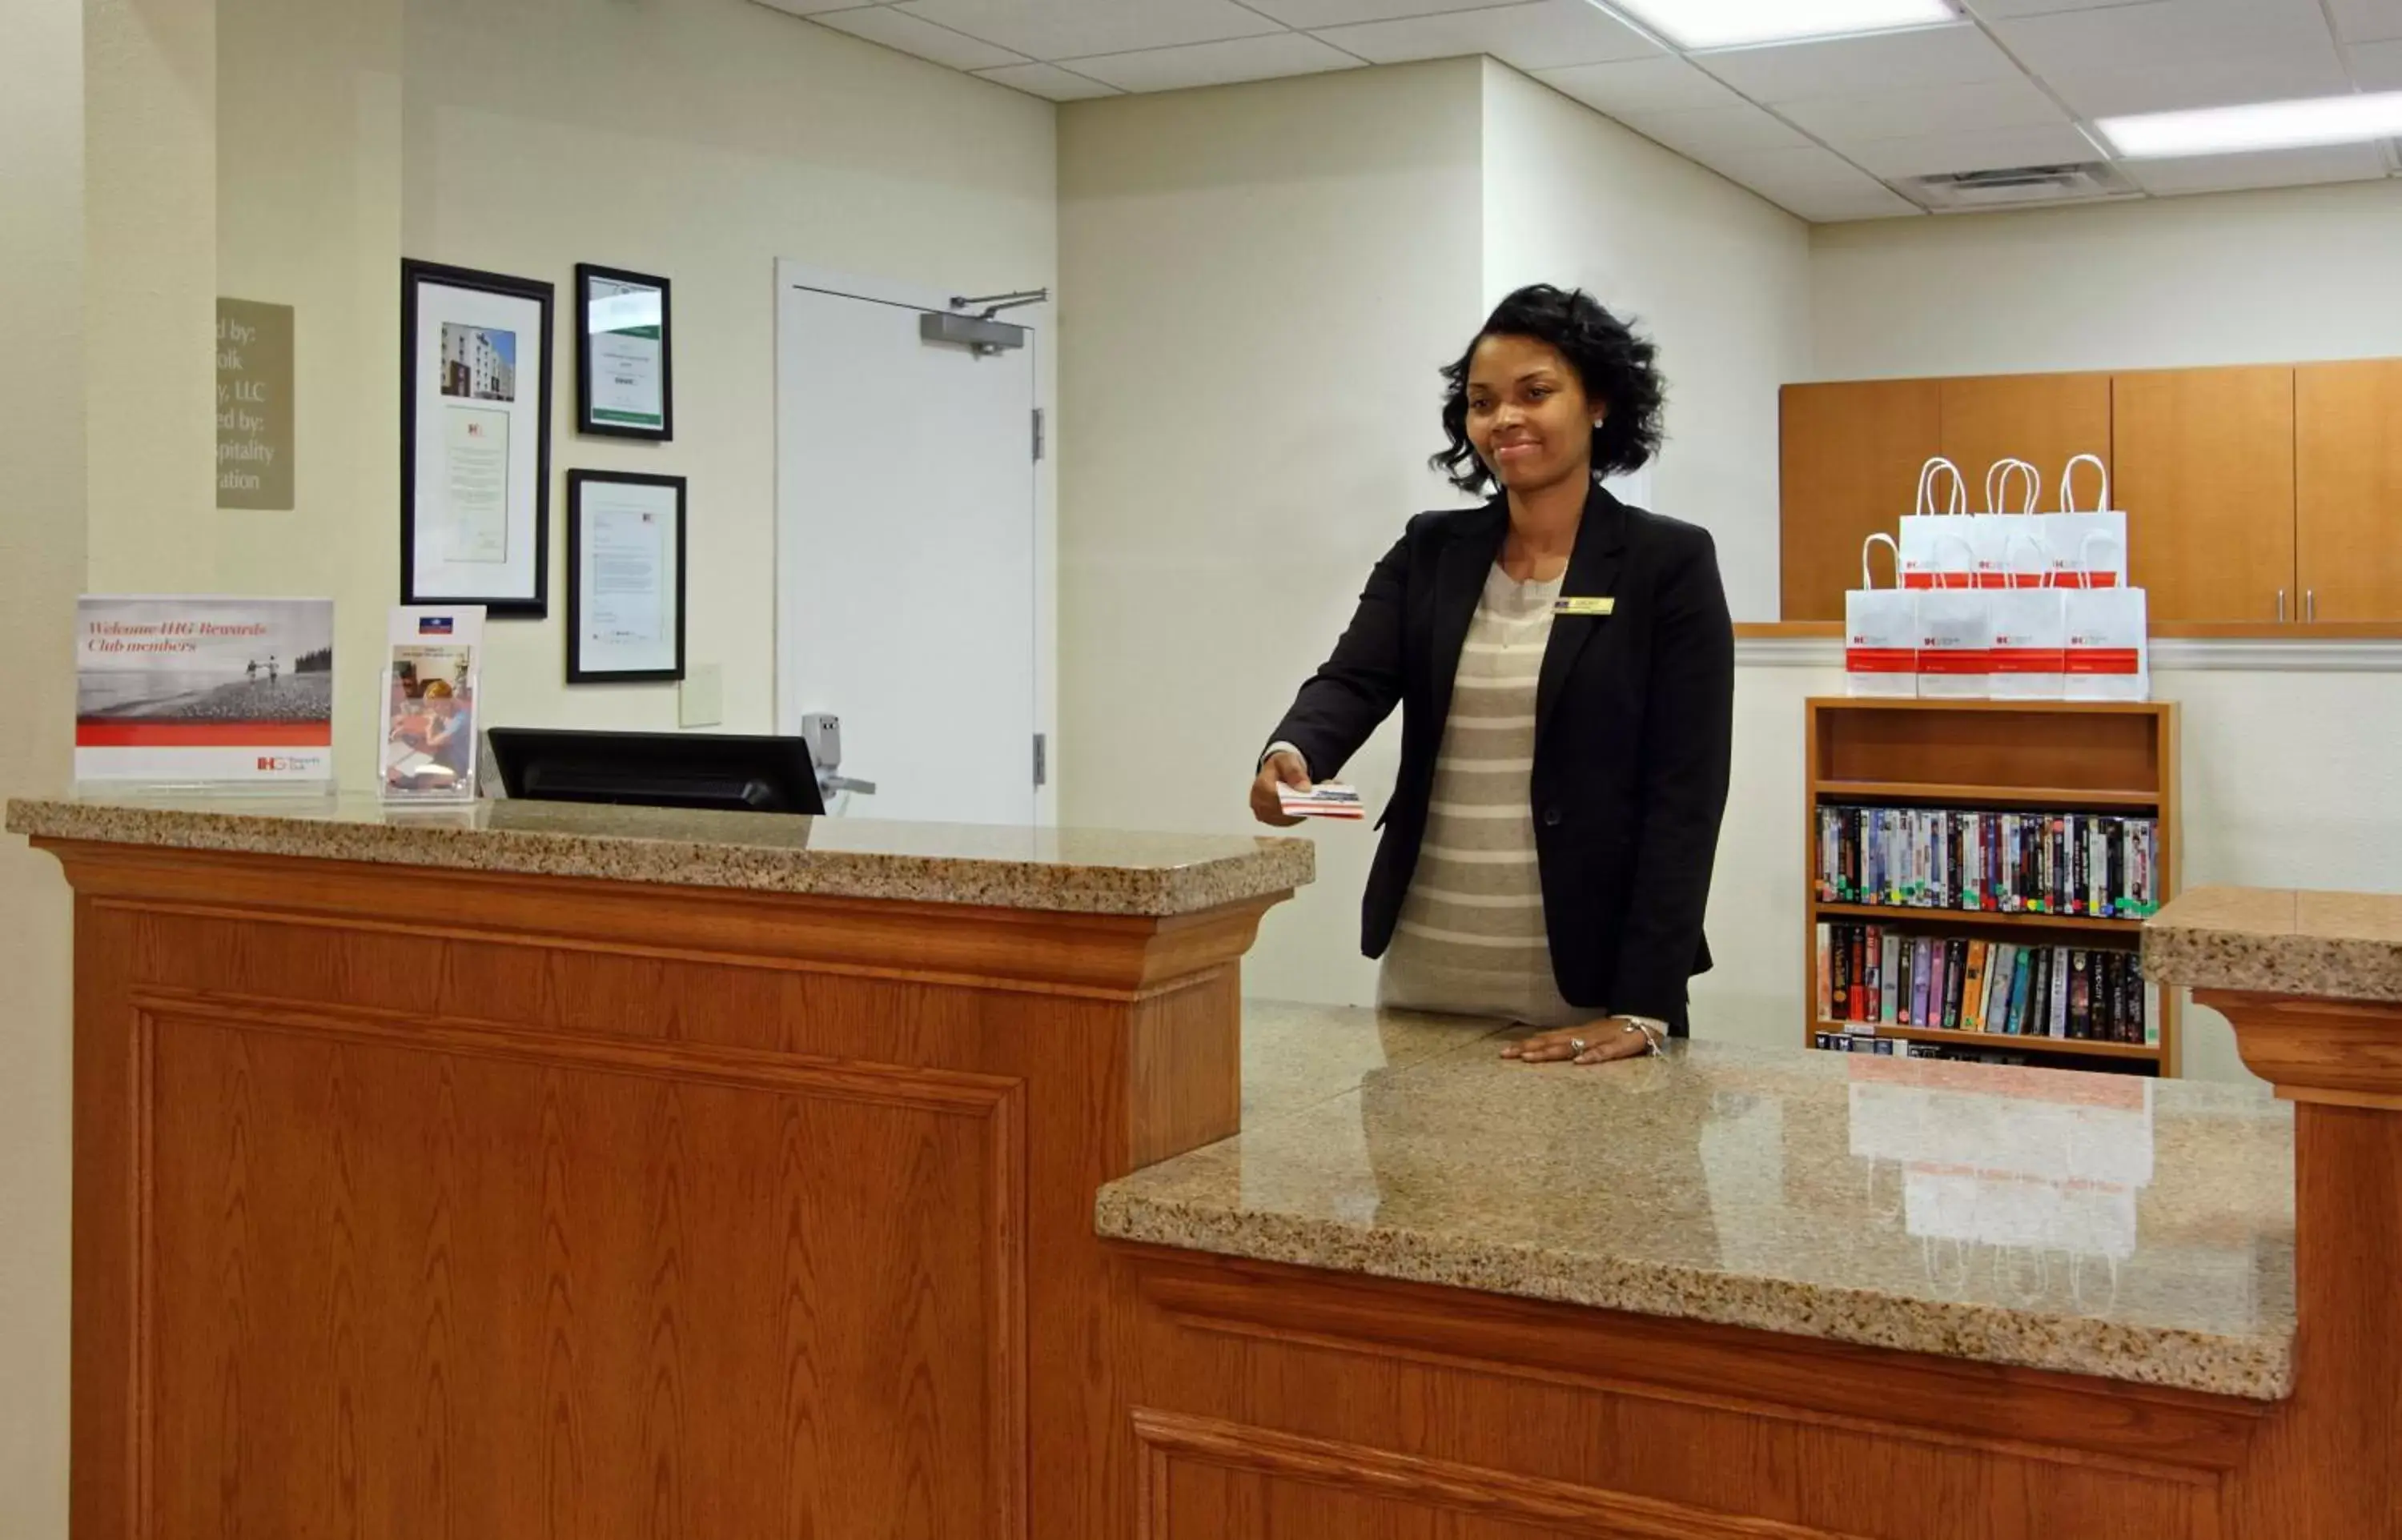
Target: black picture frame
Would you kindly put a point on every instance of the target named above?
(415, 275)
(577, 672)
(585, 421)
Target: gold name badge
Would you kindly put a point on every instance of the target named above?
(1583, 606)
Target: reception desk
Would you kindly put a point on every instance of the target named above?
(609, 1173)
(1744, 1292)
(538, 1170)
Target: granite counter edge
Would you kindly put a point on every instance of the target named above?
(2250, 1367)
(1160, 892)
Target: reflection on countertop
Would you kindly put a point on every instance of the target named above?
(2097, 1224)
(1009, 866)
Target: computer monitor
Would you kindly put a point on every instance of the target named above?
(713, 770)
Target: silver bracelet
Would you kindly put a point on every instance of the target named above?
(1650, 1034)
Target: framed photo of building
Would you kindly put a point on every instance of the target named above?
(475, 439)
(625, 354)
(624, 577)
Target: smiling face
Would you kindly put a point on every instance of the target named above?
(1529, 418)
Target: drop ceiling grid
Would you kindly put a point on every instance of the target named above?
(1825, 128)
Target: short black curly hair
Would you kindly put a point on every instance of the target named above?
(1614, 362)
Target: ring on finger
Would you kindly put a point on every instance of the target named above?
(1578, 1046)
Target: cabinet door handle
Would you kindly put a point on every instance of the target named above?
(2311, 605)
(2281, 607)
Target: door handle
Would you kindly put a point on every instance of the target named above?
(2311, 605)
(2281, 607)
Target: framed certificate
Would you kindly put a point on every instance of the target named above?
(624, 577)
(475, 440)
(625, 384)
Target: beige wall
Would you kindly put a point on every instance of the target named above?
(1261, 282)
(2235, 278)
(697, 139)
(41, 570)
(1258, 282)
(1717, 277)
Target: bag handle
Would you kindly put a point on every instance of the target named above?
(1927, 474)
(2068, 486)
(2034, 484)
(2084, 555)
(1868, 582)
(2042, 554)
(1968, 570)
(1997, 484)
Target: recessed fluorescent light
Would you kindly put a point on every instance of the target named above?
(2260, 125)
(1728, 23)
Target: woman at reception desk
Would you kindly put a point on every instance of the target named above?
(1564, 667)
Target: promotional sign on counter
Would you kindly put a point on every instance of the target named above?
(427, 723)
(188, 690)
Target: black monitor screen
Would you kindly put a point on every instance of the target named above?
(726, 771)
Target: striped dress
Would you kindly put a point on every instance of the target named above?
(1472, 940)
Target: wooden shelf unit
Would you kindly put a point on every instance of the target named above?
(2066, 756)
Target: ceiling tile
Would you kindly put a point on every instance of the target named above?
(1216, 64)
(1714, 131)
(1665, 82)
(1541, 35)
(1922, 55)
(1342, 13)
(1975, 150)
(1813, 182)
(2016, 103)
(2367, 20)
(810, 8)
(1064, 29)
(2010, 10)
(2266, 169)
(2378, 66)
(2167, 54)
(1047, 80)
(885, 26)
(1872, 202)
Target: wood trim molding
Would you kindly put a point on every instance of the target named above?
(1165, 1440)
(2024, 1414)
(950, 1092)
(2336, 1052)
(1103, 956)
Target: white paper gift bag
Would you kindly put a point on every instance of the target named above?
(1990, 534)
(2108, 655)
(2030, 625)
(1942, 512)
(1956, 639)
(1880, 633)
(2070, 534)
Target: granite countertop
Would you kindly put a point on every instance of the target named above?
(2340, 946)
(2115, 1226)
(1066, 869)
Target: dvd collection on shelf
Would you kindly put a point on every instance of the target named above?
(1901, 1047)
(1873, 975)
(2092, 864)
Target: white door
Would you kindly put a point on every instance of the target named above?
(905, 542)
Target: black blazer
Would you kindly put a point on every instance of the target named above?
(1634, 715)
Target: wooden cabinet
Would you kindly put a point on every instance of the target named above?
(1849, 463)
(2045, 420)
(2348, 490)
(2206, 473)
(2260, 499)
